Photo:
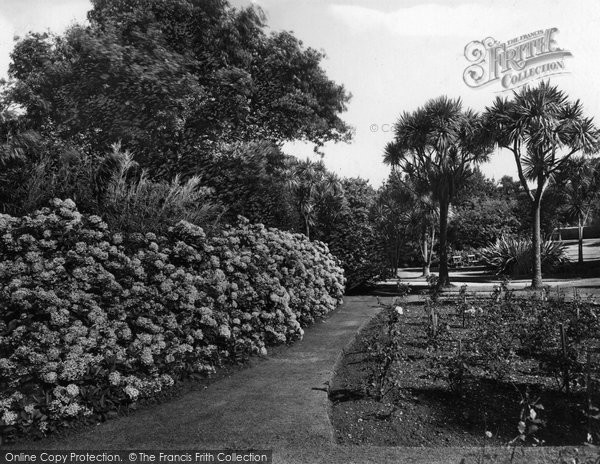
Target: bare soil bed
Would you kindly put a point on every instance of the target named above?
(422, 410)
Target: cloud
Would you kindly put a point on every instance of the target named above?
(466, 20)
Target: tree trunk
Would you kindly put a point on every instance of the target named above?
(536, 241)
(425, 254)
(580, 243)
(396, 254)
(307, 226)
(444, 279)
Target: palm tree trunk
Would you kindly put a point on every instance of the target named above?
(425, 253)
(580, 242)
(396, 254)
(426, 270)
(536, 281)
(444, 278)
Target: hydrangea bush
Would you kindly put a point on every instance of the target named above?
(91, 321)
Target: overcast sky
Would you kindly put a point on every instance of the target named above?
(391, 55)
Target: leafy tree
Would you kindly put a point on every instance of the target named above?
(543, 129)
(252, 180)
(509, 187)
(349, 230)
(437, 147)
(482, 221)
(388, 210)
(476, 185)
(169, 79)
(483, 212)
(407, 215)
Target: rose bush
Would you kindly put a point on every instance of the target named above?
(92, 321)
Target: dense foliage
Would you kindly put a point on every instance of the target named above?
(549, 339)
(349, 231)
(261, 183)
(406, 220)
(484, 211)
(513, 255)
(543, 129)
(91, 320)
(170, 79)
(437, 146)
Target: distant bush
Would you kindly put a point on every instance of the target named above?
(348, 227)
(251, 180)
(134, 203)
(91, 320)
(513, 256)
(110, 185)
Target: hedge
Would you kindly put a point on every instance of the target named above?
(93, 321)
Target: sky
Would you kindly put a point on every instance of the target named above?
(392, 56)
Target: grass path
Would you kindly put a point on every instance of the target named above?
(279, 403)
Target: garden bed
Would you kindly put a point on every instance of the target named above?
(93, 323)
(410, 393)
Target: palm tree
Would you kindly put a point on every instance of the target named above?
(312, 185)
(403, 211)
(424, 218)
(542, 129)
(582, 189)
(437, 147)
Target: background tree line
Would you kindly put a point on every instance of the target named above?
(159, 111)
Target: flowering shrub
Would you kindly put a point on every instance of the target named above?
(91, 321)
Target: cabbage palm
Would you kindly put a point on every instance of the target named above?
(437, 147)
(420, 218)
(311, 184)
(543, 129)
(407, 211)
(582, 190)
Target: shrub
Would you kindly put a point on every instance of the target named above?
(91, 321)
(110, 185)
(513, 331)
(349, 230)
(512, 256)
(131, 203)
(252, 180)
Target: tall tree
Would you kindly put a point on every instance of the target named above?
(543, 129)
(582, 190)
(168, 79)
(388, 211)
(437, 146)
(412, 213)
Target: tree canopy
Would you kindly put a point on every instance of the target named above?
(437, 147)
(167, 78)
(543, 129)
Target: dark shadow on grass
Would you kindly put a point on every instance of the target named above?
(342, 395)
(495, 406)
(482, 279)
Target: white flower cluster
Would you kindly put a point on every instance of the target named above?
(92, 320)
